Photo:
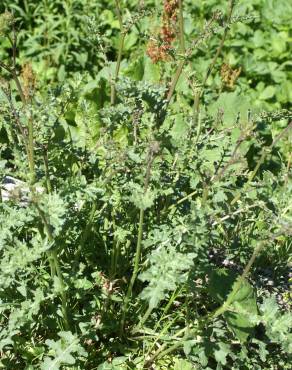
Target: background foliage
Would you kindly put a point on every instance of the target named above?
(147, 232)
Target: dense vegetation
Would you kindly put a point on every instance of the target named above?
(146, 212)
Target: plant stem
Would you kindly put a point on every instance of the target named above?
(46, 163)
(54, 261)
(29, 144)
(120, 53)
(18, 85)
(153, 149)
(150, 309)
(31, 151)
(85, 233)
(114, 258)
(220, 47)
(136, 268)
(175, 80)
(288, 168)
(185, 58)
(142, 320)
(181, 27)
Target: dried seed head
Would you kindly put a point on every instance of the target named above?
(170, 7)
(29, 81)
(154, 147)
(229, 76)
(156, 52)
(6, 21)
(159, 50)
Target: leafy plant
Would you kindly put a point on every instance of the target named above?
(148, 222)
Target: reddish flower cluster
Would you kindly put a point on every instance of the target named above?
(159, 50)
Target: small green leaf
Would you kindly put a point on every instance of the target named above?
(267, 93)
(182, 365)
(222, 353)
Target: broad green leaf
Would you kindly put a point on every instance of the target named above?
(136, 69)
(225, 287)
(151, 71)
(220, 284)
(221, 353)
(239, 324)
(242, 306)
(232, 106)
(180, 128)
(267, 93)
(121, 136)
(130, 40)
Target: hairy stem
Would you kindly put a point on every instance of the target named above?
(31, 151)
(47, 172)
(85, 235)
(18, 85)
(221, 44)
(175, 80)
(136, 267)
(151, 155)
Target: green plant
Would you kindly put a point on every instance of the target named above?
(153, 191)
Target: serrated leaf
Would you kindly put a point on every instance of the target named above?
(239, 324)
(61, 351)
(168, 268)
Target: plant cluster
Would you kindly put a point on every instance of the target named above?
(145, 205)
